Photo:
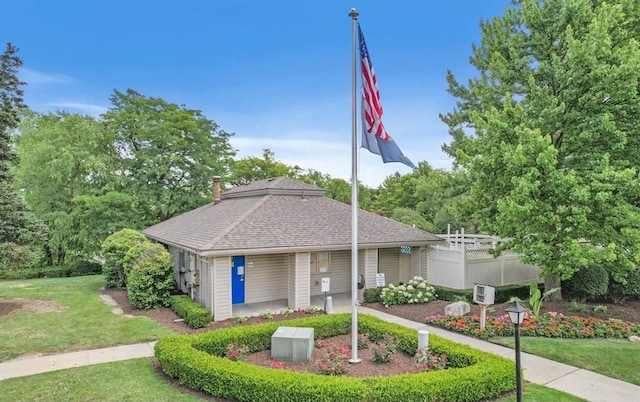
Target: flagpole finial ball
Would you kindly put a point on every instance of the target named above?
(353, 13)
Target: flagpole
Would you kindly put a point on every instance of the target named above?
(354, 195)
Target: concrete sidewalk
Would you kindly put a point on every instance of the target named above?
(538, 370)
(36, 365)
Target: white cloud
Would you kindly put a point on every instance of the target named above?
(32, 77)
(86, 108)
(322, 140)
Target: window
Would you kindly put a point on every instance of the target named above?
(319, 262)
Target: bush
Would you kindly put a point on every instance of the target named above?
(417, 290)
(372, 295)
(195, 315)
(198, 361)
(503, 293)
(150, 280)
(120, 252)
(618, 292)
(587, 283)
(77, 268)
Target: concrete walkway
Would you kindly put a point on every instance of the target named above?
(538, 370)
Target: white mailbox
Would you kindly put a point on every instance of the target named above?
(483, 294)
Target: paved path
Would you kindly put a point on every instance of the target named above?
(538, 370)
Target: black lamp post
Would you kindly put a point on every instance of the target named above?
(516, 314)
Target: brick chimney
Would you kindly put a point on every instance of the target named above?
(216, 189)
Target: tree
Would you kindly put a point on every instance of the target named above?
(251, 169)
(20, 232)
(549, 134)
(65, 156)
(167, 154)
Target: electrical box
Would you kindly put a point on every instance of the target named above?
(292, 344)
(483, 294)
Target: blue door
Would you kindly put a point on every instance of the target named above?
(237, 280)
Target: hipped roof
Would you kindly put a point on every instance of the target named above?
(280, 215)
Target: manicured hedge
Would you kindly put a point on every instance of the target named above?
(503, 293)
(76, 268)
(198, 361)
(195, 315)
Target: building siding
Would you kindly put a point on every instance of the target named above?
(340, 275)
(299, 276)
(389, 264)
(371, 267)
(266, 277)
(222, 288)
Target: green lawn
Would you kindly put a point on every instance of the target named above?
(538, 393)
(85, 321)
(616, 358)
(131, 380)
(137, 380)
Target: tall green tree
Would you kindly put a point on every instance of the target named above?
(253, 168)
(167, 154)
(549, 133)
(20, 232)
(65, 156)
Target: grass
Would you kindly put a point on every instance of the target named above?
(137, 380)
(131, 380)
(85, 321)
(614, 358)
(538, 393)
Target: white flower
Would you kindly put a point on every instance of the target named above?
(409, 287)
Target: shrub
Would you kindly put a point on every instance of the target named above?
(587, 283)
(372, 295)
(417, 290)
(236, 353)
(383, 351)
(619, 292)
(77, 268)
(195, 315)
(150, 281)
(198, 361)
(120, 251)
(334, 361)
(503, 293)
(426, 361)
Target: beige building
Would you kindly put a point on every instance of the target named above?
(277, 239)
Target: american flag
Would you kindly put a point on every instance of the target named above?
(372, 109)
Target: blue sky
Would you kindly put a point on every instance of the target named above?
(276, 73)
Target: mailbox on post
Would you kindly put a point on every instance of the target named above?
(484, 294)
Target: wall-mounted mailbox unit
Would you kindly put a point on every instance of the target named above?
(483, 294)
(291, 344)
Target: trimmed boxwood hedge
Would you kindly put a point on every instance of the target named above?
(198, 361)
(195, 314)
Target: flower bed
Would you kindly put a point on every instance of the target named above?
(199, 362)
(552, 325)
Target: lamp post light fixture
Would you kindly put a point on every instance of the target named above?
(516, 315)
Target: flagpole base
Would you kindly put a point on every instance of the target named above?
(355, 361)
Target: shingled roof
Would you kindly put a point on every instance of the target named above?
(280, 215)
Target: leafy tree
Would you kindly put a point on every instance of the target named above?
(167, 154)
(251, 169)
(120, 252)
(413, 218)
(548, 132)
(20, 232)
(64, 156)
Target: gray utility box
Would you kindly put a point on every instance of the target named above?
(291, 344)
